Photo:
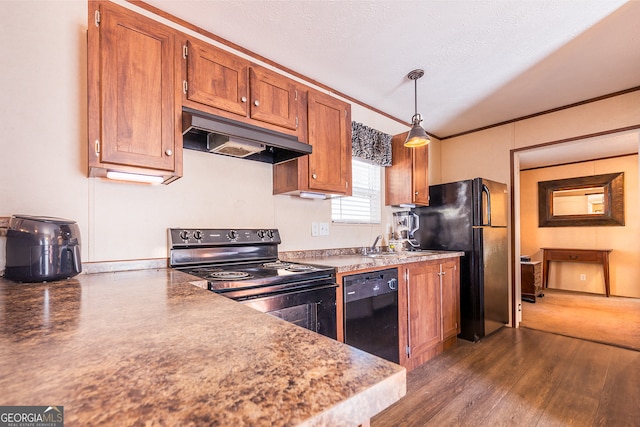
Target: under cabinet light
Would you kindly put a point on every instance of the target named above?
(310, 195)
(135, 177)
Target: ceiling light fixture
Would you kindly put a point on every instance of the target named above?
(417, 135)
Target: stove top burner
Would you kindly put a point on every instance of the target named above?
(229, 275)
(203, 270)
(276, 264)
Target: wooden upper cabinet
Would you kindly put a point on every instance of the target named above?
(217, 78)
(132, 99)
(131, 94)
(329, 124)
(274, 98)
(407, 180)
(327, 169)
(229, 84)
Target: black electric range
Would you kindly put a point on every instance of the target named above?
(243, 264)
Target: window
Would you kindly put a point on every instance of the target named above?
(363, 206)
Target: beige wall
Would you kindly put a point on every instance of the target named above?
(486, 153)
(43, 156)
(625, 268)
(43, 153)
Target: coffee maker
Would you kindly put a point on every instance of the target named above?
(405, 223)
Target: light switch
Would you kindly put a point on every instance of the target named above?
(314, 229)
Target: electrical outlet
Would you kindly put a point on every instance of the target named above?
(314, 229)
(323, 228)
(583, 277)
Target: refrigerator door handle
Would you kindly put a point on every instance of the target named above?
(485, 190)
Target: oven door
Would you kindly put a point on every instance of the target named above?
(312, 308)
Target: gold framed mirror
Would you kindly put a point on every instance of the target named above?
(585, 201)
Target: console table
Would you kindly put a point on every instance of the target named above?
(594, 256)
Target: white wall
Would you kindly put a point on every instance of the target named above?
(43, 156)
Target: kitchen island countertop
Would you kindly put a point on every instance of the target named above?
(149, 348)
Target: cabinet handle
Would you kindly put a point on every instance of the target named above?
(416, 193)
(314, 176)
(243, 99)
(168, 152)
(406, 277)
(442, 272)
(256, 103)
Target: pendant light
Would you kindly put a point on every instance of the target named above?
(417, 136)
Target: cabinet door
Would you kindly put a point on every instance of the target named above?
(398, 179)
(420, 175)
(217, 78)
(137, 90)
(423, 308)
(274, 98)
(450, 300)
(329, 123)
(407, 180)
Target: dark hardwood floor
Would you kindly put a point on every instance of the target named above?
(522, 377)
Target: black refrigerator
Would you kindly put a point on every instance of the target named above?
(471, 216)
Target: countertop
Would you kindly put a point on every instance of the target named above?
(149, 348)
(350, 259)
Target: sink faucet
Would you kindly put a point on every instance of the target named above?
(375, 242)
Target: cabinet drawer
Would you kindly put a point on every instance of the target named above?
(573, 256)
(537, 274)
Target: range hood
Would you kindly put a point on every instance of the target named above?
(214, 134)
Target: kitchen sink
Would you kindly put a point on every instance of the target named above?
(381, 254)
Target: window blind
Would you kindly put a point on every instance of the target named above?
(363, 206)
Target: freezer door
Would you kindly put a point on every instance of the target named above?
(494, 276)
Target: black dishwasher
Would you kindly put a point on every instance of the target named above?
(371, 312)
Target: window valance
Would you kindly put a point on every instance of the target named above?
(370, 144)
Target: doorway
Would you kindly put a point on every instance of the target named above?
(556, 156)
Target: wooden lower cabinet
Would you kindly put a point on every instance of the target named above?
(428, 309)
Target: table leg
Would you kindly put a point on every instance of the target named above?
(605, 268)
(545, 269)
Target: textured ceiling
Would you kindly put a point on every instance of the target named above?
(485, 62)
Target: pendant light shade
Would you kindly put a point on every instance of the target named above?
(417, 135)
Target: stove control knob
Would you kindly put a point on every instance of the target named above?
(261, 234)
(232, 234)
(184, 235)
(270, 234)
(197, 235)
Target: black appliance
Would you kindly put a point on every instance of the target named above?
(243, 265)
(371, 312)
(41, 249)
(471, 216)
